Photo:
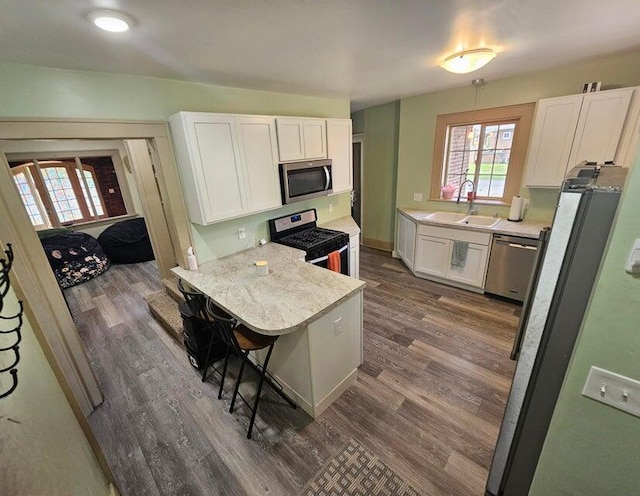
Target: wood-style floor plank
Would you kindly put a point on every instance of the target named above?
(428, 401)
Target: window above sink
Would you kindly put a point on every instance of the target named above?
(485, 146)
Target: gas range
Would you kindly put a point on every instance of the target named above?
(300, 231)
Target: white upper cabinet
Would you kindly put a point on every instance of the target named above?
(600, 126)
(315, 139)
(290, 139)
(301, 139)
(551, 140)
(571, 129)
(227, 164)
(340, 151)
(209, 162)
(259, 154)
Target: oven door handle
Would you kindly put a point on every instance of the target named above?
(327, 177)
(326, 257)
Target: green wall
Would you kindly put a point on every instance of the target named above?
(418, 119)
(43, 449)
(222, 239)
(380, 127)
(592, 449)
(357, 122)
(31, 91)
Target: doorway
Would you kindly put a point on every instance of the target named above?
(356, 194)
(167, 223)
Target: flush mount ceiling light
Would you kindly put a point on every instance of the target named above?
(110, 20)
(468, 60)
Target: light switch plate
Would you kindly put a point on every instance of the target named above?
(614, 390)
(417, 197)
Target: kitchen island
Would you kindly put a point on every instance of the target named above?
(316, 313)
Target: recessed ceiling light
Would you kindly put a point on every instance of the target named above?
(110, 20)
(468, 60)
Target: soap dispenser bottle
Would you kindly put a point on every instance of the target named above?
(191, 259)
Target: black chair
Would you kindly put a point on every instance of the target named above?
(242, 341)
(198, 331)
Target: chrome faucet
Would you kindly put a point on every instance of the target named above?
(472, 210)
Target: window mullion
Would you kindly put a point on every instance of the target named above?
(480, 151)
(38, 178)
(37, 196)
(86, 188)
(77, 190)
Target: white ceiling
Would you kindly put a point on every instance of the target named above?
(370, 51)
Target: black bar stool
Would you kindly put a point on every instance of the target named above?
(242, 340)
(199, 330)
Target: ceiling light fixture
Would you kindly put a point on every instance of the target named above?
(468, 60)
(110, 20)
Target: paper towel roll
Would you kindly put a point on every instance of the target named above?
(515, 212)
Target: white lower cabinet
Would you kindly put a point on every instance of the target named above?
(435, 250)
(315, 364)
(432, 256)
(406, 240)
(354, 256)
(475, 267)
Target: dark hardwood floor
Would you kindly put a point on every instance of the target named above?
(428, 401)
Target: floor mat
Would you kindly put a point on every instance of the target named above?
(357, 471)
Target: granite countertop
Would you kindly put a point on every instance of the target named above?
(344, 224)
(294, 293)
(526, 229)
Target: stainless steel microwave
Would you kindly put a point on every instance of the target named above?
(304, 180)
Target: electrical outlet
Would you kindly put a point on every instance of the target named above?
(330, 207)
(614, 390)
(417, 197)
(337, 326)
(242, 233)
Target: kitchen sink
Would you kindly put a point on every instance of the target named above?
(479, 220)
(451, 217)
(459, 218)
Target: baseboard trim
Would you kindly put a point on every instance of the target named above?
(324, 403)
(378, 244)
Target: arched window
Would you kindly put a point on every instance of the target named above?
(59, 192)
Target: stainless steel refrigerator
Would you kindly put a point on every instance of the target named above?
(552, 317)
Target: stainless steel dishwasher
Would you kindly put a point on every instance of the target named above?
(511, 263)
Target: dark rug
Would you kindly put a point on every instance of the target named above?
(357, 471)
